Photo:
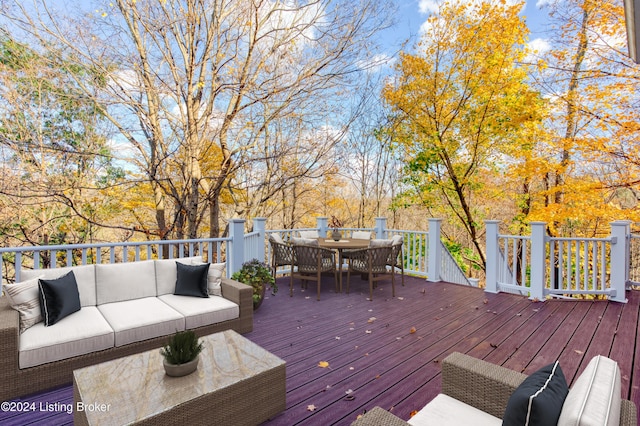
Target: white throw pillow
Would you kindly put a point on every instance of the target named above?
(214, 277)
(24, 298)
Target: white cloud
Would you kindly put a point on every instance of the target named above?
(428, 6)
(536, 48)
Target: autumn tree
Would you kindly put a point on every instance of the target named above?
(460, 102)
(195, 87)
(590, 175)
(55, 159)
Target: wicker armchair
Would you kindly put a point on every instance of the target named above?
(482, 385)
(373, 262)
(281, 254)
(396, 260)
(311, 262)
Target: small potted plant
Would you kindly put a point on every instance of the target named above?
(334, 224)
(181, 354)
(258, 275)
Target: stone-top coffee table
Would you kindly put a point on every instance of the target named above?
(237, 383)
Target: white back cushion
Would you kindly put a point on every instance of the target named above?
(85, 277)
(594, 398)
(308, 234)
(361, 235)
(125, 281)
(167, 273)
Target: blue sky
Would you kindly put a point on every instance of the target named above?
(413, 13)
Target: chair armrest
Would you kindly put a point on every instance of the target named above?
(628, 413)
(379, 417)
(236, 291)
(479, 383)
(9, 336)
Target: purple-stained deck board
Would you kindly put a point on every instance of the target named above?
(399, 370)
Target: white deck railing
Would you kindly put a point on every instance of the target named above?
(540, 266)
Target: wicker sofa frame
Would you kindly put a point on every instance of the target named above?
(482, 385)
(16, 382)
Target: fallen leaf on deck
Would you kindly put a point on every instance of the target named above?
(351, 328)
(579, 352)
(368, 331)
(493, 345)
(308, 297)
(413, 413)
(398, 338)
(351, 368)
(349, 391)
(372, 319)
(323, 364)
(412, 330)
(485, 301)
(400, 298)
(311, 407)
(370, 310)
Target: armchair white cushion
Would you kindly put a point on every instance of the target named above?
(595, 397)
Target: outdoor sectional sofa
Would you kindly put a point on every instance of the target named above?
(476, 392)
(126, 308)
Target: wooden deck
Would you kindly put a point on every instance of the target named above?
(375, 358)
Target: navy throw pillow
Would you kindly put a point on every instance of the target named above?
(192, 280)
(58, 298)
(539, 398)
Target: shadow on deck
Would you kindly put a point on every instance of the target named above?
(376, 358)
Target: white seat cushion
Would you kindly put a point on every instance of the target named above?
(141, 319)
(200, 311)
(167, 273)
(446, 411)
(85, 277)
(595, 398)
(118, 282)
(80, 333)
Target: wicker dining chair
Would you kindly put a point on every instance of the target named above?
(311, 262)
(373, 262)
(281, 254)
(396, 258)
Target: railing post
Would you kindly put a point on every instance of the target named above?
(322, 224)
(620, 232)
(381, 227)
(434, 251)
(260, 226)
(538, 260)
(491, 256)
(235, 253)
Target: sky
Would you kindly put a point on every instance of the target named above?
(413, 13)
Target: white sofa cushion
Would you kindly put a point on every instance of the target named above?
(141, 319)
(80, 333)
(200, 311)
(85, 277)
(595, 397)
(167, 273)
(446, 411)
(118, 282)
